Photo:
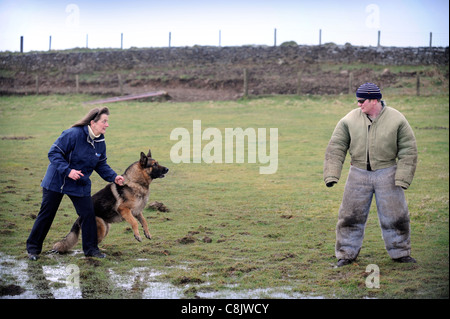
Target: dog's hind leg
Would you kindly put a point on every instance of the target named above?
(143, 222)
(125, 212)
(65, 244)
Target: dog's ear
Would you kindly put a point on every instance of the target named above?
(143, 160)
(149, 153)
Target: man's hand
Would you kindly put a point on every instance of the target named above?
(119, 180)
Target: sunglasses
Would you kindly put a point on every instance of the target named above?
(361, 101)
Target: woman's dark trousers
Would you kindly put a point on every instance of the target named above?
(49, 207)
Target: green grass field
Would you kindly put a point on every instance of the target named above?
(270, 235)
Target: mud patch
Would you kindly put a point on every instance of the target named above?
(189, 239)
(11, 290)
(158, 206)
(16, 138)
(34, 281)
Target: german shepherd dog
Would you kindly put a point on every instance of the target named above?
(115, 203)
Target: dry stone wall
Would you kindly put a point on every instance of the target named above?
(110, 60)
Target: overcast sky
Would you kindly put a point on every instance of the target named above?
(99, 24)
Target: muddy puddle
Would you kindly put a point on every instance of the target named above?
(22, 279)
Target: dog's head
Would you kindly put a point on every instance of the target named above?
(151, 166)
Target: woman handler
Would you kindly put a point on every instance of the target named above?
(75, 154)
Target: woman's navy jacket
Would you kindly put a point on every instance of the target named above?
(74, 149)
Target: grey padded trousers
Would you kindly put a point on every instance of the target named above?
(392, 211)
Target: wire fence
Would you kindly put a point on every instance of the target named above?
(228, 37)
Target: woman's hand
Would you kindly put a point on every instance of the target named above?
(119, 180)
(75, 175)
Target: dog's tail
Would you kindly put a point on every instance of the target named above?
(71, 239)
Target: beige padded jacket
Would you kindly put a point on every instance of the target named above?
(385, 142)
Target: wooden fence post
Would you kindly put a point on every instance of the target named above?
(418, 84)
(350, 83)
(120, 84)
(77, 84)
(299, 81)
(245, 83)
(37, 84)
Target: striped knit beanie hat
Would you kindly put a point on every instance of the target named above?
(369, 91)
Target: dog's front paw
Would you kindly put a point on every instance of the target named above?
(138, 238)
